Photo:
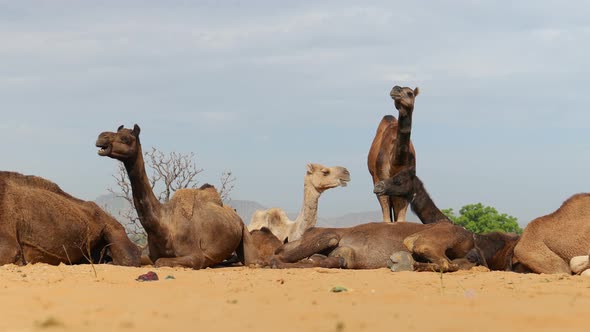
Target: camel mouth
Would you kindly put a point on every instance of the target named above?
(104, 150)
(344, 182)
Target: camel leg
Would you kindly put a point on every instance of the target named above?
(123, 251)
(385, 208)
(316, 261)
(540, 259)
(195, 261)
(400, 208)
(305, 247)
(423, 246)
(10, 252)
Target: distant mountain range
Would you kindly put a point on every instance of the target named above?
(115, 205)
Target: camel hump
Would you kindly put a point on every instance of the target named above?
(35, 182)
(187, 199)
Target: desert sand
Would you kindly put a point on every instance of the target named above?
(73, 298)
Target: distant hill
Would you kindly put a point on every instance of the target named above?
(114, 205)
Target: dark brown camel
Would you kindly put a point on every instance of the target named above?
(407, 185)
(40, 223)
(368, 246)
(392, 150)
(548, 243)
(194, 229)
(495, 249)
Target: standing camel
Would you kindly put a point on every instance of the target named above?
(392, 150)
(194, 229)
(318, 179)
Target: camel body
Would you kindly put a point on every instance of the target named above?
(369, 246)
(40, 223)
(549, 243)
(392, 150)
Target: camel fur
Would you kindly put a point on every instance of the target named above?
(549, 243)
(392, 149)
(194, 229)
(40, 223)
(318, 179)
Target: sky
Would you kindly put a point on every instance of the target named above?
(263, 87)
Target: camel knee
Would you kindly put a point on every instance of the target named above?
(579, 264)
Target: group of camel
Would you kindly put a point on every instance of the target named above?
(41, 223)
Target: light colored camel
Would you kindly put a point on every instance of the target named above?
(549, 243)
(318, 179)
(392, 150)
(194, 229)
(40, 223)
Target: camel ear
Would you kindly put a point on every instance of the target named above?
(310, 168)
(120, 127)
(136, 130)
(416, 92)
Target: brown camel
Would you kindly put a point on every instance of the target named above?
(318, 179)
(392, 150)
(407, 185)
(368, 246)
(40, 223)
(194, 229)
(495, 249)
(548, 243)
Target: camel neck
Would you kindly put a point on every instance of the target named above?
(308, 216)
(404, 131)
(423, 206)
(146, 203)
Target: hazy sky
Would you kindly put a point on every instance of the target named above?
(263, 87)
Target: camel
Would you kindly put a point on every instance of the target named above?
(550, 242)
(407, 185)
(194, 229)
(495, 249)
(318, 179)
(367, 246)
(392, 150)
(40, 223)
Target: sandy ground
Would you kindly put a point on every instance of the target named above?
(54, 298)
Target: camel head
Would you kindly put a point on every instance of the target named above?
(401, 184)
(404, 98)
(122, 145)
(323, 178)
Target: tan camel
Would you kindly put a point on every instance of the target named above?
(40, 223)
(549, 243)
(318, 179)
(392, 150)
(194, 229)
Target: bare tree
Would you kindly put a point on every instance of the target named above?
(167, 172)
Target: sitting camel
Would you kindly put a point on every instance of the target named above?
(494, 248)
(369, 246)
(318, 179)
(194, 229)
(43, 224)
(550, 242)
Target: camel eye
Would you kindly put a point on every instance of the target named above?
(325, 172)
(410, 94)
(125, 140)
